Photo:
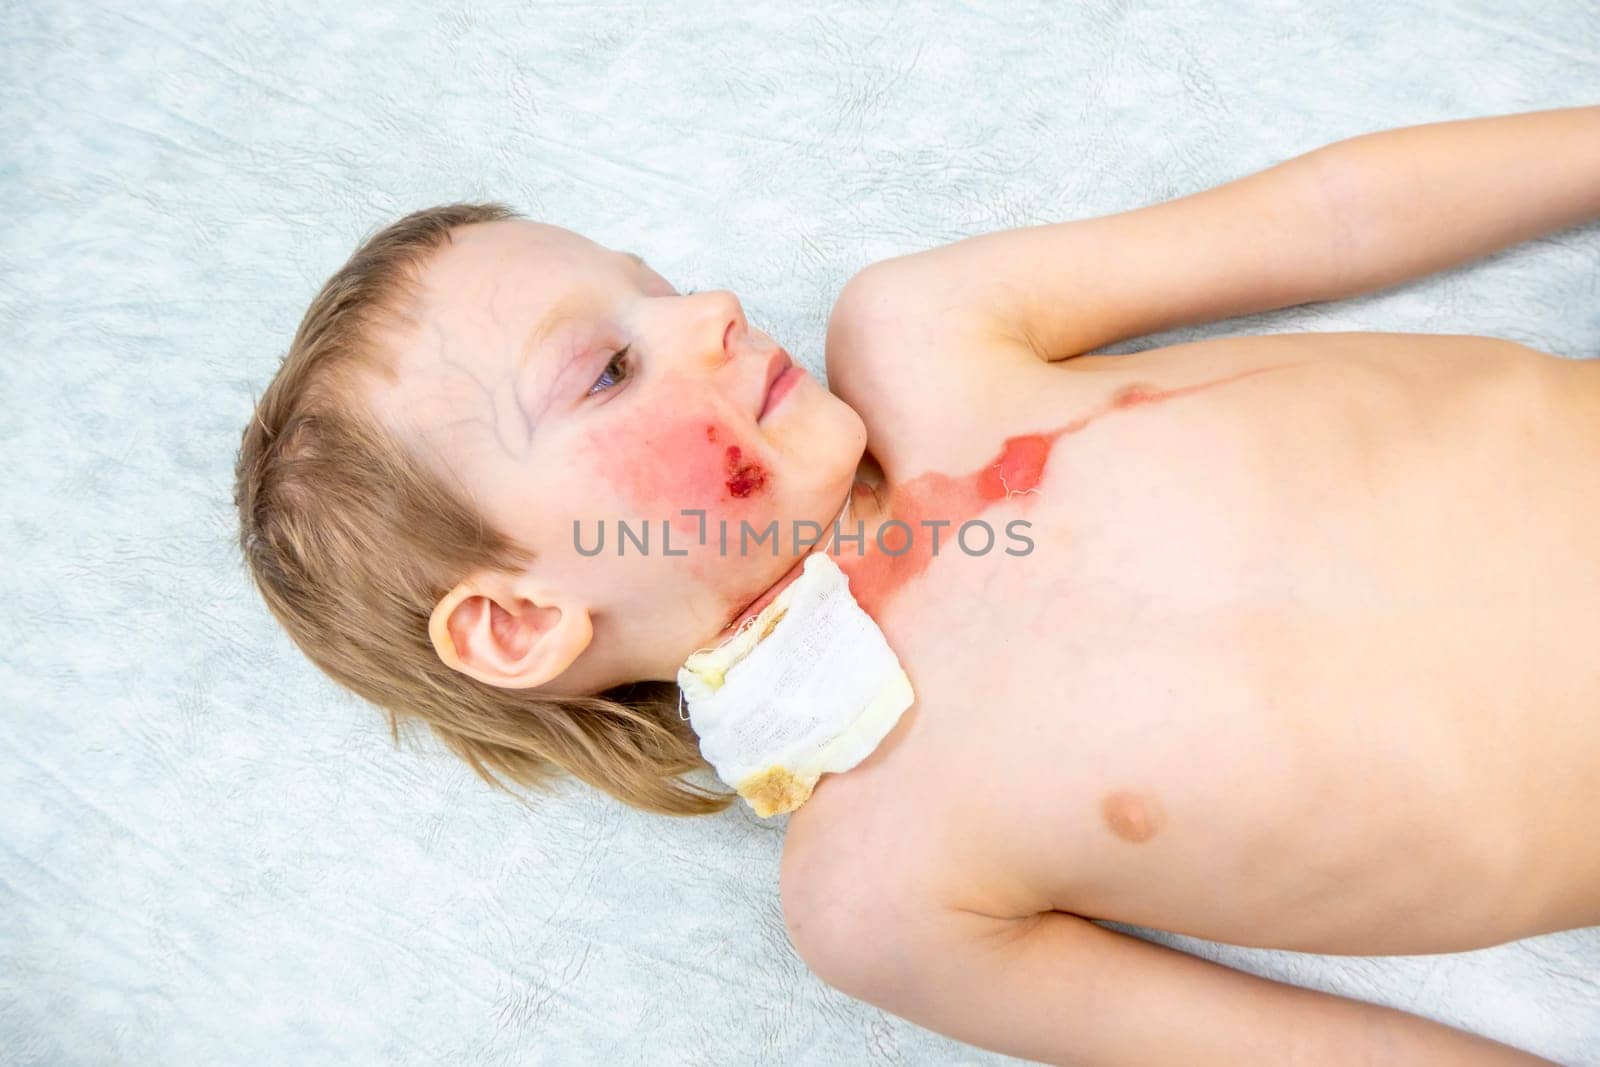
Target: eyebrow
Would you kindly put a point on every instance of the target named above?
(564, 309)
(560, 310)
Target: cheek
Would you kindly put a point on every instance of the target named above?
(686, 462)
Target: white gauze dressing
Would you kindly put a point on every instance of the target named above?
(807, 686)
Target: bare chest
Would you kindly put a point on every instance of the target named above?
(1273, 611)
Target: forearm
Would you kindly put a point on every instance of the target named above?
(1061, 989)
(1336, 1031)
(1408, 202)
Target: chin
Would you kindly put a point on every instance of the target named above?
(827, 445)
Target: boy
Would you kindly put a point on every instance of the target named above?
(1300, 657)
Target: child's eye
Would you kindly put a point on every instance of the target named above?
(615, 372)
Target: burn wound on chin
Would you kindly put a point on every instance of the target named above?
(1134, 817)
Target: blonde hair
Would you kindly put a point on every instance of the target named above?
(352, 542)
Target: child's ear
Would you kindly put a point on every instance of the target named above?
(505, 632)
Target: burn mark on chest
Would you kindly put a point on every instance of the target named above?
(1014, 473)
(1133, 816)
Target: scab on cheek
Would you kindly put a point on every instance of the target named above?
(744, 478)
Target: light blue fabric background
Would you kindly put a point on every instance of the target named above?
(208, 854)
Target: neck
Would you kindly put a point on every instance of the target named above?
(862, 504)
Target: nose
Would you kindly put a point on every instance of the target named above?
(717, 325)
(700, 333)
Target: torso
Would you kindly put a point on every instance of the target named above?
(1307, 657)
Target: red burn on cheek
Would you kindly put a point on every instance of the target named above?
(743, 478)
(660, 465)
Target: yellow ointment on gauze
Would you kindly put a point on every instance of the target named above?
(808, 686)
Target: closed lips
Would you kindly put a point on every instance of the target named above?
(775, 368)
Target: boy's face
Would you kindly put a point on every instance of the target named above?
(513, 387)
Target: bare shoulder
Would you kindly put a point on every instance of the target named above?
(859, 909)
(921, 368)
(854, 859)
(897, 312)
(832, 850)
(873, 872)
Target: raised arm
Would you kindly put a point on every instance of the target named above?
(1347, 218)
(1418, 199)
(1060, 989)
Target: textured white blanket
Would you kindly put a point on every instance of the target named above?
(209, 855)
